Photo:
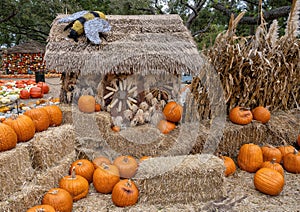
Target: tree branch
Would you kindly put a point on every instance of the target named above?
(268, 15)
(205, 29)
(13, 13)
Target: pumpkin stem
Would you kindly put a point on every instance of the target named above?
(244, 108)
(128, 183)
(125, 159)
(53, 192)
(73, 173)
(105, 166)
(79, 163)
(40, 210)
(295, 151)
(273, 160)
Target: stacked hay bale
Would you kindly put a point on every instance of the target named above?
(181, 179)
(32, 168)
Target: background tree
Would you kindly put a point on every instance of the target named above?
(22, 20)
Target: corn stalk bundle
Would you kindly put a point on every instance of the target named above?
(263, 69)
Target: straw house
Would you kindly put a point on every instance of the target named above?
(137, 68)
(23, 58)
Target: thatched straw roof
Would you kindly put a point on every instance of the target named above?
(136, 44)
(28, 47)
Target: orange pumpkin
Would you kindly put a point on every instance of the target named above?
(261, 114)
(86, 104)
(84, 168)
(268, 181)
(23, 126)
(125, 193)
(286, 149)
(127, 166)
(98, 161)
(8, 137)
(250, 157)
(36, 92)
(60, 199)
(165, 126)
(105, 178)
(230, 166)
(97, 107)
(55, 115)
(41, 208)
(240, 115)
(173, 111)
(116, 128)
(24, 94)
(76, 185)
(40, 118)
(273, 165)
(143, 158)
(291, 162)
(270, 153)
(44, 86)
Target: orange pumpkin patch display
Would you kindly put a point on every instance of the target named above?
(41, 208)
(240, 115)
(268, 181)
(250, 157)
(173, 111)
(127, 166)
(86, 104)
(125, 193)
(230, 166)
(8, 137)
(165, 126)
(97, 107)
(84, 168)
(55, 115)
(44, 86)
(286, 149)
(76, 185)
(40, 118)
(23, 127)
(60, 199)
(273, 165)
(100, 160)
(105, 178)
(291, 162)
(36, 92)
(270, 153)
(261, 114)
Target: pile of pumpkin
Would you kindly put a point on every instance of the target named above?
(22, 128)
(268, 163)
(106, 177)
(172, 113)
(243, 115)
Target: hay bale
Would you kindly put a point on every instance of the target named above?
(50, 146)
(50, 177)
(180, 179)
(282, 129)
(15, 170)
(22, 200)
(67, 114)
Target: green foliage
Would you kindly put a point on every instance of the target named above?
(22, 20)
